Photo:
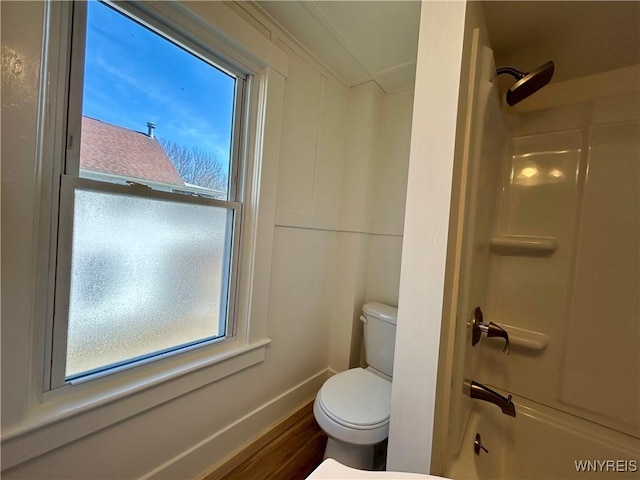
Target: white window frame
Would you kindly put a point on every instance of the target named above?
(72, 181)
(56, 417)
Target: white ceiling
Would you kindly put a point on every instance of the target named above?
(358, 40)
(377, 40)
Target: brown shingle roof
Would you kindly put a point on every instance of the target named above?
(111, 149)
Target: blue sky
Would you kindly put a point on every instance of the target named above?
(133, 76)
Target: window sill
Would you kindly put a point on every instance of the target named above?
(94, 405)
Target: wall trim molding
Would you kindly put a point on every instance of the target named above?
(215, 451)
(304, 221)
(56, 423)
(277, 34)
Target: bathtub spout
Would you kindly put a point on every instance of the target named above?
(479, 391)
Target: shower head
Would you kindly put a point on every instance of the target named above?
(527, 83)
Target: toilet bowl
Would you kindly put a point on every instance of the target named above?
(353, 406)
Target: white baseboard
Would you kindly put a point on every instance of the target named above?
(213, 451)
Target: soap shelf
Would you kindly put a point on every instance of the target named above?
(527, 339)
(523, 245)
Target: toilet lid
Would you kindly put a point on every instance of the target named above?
(357, 398)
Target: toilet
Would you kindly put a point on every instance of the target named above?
(352, 407)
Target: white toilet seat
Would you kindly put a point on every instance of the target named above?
(353, 406)
(348, 424)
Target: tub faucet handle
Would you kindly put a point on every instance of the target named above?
(494, 330)
(478, 327)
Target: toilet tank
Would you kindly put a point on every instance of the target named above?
(379, 335)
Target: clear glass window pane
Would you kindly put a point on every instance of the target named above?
(147, 276)
(152, 111)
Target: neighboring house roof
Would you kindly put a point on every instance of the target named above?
(111, 149)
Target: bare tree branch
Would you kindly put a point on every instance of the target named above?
(196, 166)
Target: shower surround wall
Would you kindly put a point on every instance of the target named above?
(572, 179)
(564, 282)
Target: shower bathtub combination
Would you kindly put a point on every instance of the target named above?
(550, 209)
(542, 443)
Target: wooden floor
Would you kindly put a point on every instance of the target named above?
(292, 455)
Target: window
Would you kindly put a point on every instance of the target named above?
(151, 197)
(50, 408)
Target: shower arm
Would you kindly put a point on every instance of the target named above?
(517, 74)
(478, 327)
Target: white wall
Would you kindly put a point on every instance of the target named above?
(372, 217)
(343, 173)
(425, 235)
(325, 264)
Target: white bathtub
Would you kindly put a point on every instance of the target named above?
(542, 443)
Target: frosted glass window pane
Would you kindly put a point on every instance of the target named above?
(146, 275)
